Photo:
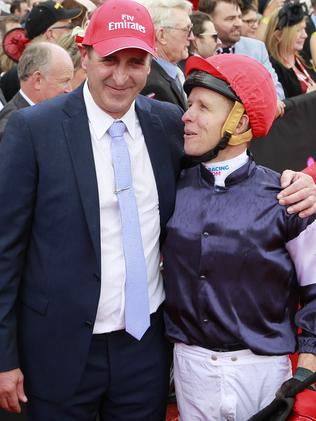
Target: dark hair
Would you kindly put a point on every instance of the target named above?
(16, 5)
(247, 6)
(198, 18)
(208, 6)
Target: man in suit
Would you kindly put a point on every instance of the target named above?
(67, 167)
(226, 16)
(45, 70)
(64, 295)
(47, 21)
(173, 29)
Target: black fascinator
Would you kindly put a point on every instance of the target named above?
(291, 13)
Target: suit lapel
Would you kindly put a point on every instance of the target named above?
(173, 85)
(19, 101)
(79, 142)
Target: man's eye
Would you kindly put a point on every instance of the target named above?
(108, 60)
(138, 62)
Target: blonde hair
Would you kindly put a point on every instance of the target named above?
(279, 43)
(6, 63)
(68, 42)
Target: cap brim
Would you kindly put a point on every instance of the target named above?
(105, 48)
(70, 13)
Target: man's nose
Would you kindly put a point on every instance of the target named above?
(238, 21)
(120, 75)
(188, 115)
(191, 36)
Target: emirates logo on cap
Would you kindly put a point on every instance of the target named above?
(118, 25)
(127, 22)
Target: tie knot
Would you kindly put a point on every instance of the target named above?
(117, 129)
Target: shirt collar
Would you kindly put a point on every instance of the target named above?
(235, 177)
(170, 68)
(27, 99)
(101, 121)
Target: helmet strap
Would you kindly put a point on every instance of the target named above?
(231, 125)
(228, 138)
(208, 156)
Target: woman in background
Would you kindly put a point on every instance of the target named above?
(284, 40)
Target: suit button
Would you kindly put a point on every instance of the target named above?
(202, 277)
(88, 323)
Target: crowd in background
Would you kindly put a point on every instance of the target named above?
(291, 45)
(287, 28)
(278, 33)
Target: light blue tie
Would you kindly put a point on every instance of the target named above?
(137, 318)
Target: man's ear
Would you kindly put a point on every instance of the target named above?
(49, 35)
(84, 57)
(243, 124)
(150, 59)
(37, 78)
(161, 36)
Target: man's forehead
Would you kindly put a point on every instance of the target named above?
(129, 53)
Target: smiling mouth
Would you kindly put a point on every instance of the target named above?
(189, 133)
(118, 89)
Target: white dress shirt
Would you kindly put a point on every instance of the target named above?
(110, 313)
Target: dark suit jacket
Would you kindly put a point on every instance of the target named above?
(16, 103)
(9, 83)
(162, 87)
(50, 234)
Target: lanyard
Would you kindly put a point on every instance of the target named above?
(302, 74)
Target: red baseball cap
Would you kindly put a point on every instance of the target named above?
(120, 24)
